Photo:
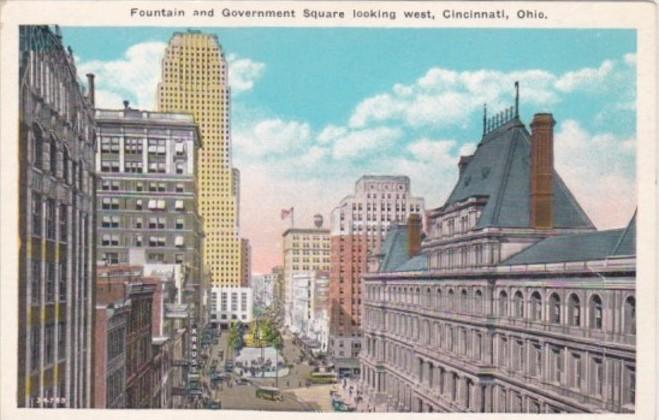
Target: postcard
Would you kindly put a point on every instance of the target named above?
(283, 208)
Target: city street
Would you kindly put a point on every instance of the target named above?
(242, 396)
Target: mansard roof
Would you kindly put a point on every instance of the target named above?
(394, 248)
(591, 246)
(500, 170)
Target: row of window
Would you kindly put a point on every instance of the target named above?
(138, 167)
(112, 203)
(535, 307)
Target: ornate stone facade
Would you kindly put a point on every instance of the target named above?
(57, 225)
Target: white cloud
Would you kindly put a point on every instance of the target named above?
(586, 78)
(272, 136)
(438, 151)
(243, 72)
(442, 97)
(134, 76)
(599, 170)
(357, 142)
(331, 133)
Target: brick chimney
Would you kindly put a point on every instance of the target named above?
(542, 171)
(414, 225)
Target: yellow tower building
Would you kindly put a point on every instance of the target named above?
(194, 79)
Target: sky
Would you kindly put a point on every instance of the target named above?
(313, 109)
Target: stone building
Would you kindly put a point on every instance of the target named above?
(147, 193)
(57, 225)
(357, 227)
(513, 302)
(305, 250)
(245, 262)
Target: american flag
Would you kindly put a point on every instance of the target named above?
(286, 212)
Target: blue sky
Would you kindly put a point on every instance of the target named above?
(313, 109)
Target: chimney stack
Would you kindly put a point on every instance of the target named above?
(92, 94)
(542, 171)
(414, 226)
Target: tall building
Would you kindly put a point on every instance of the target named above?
(57, 225)
(245, 262)
(147, 192)
(512, 302)
(358, 226)
(305, 250)
(195, 80)
(263, 286)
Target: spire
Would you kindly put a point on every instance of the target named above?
(484, 118)
(516, 98)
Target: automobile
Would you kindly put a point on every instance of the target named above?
(228, 366)
(241, 381)
(269, 393)
(214, 405)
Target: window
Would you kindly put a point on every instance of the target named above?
(62, 279)
(61, 341)
(38, 148)
(576, 371)
(503, 352)
(36, 214)
(63, 223)
(50, 281)
(50, 219)
(35, 284)
(596, 312)
(179, 242)
(536, 361)
(180, 169)
(574, 311)
(556, 364)
(629, 385)
(180, 223)
(179, 205)
(35, 344)
(518, 301)
(53, 156)
(503, 303)
(630, 315)
(536, 306)
(478, 301)
(49, 345)
(138, 204)
(179, 188)
(597, 376)
(134, 167)
(554, 309)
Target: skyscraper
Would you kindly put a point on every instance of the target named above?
(358, 226)
(195, 80)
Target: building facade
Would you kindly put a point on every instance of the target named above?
(194, 80)
(512, 303)
(245, 262)
(305, 250)
(110, 351)
(147, 193)
(358, 226)
(310, 311)
(263, 286)
(57, 225)
(228, 305)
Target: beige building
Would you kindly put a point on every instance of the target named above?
(195, 80)
(305, 250)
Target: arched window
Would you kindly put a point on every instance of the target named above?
(464, 305)
(439, 298)
(503, 303)
(417, 296)
(574, 311)
(596, 313)
(554, 309)
(478, 301)
(52, 153)
(518, 301)
(451, 302)
(536, 306)
(38, 147)
(630, 315)
(428, 298)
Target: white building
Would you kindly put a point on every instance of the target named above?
(230, 304)
(263, 289)
(310, 311)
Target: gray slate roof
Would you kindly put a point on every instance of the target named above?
(579, 247)
(500, 170)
